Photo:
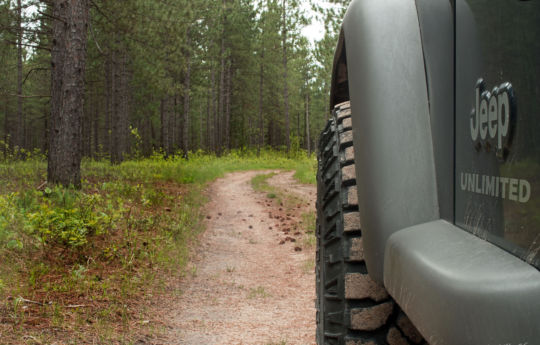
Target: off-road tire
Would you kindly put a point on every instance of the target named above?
(352, 309)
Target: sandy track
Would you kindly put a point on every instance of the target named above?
(248, 288)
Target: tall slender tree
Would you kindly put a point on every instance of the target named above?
(19, 135)
(68, 61)
(284, 30)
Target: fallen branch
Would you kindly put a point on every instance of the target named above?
(24, 300)
(42, 186)
(33, 338)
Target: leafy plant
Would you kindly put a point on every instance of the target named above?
(69, 222)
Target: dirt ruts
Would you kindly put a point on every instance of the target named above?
(252, 281)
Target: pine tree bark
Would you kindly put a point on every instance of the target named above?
(116, 157)
(228, 93)
(215, 111)
(164, 126)
(95, 136)
(260, 143)
(120, 118)
(285, 78)
(68, 61)
(109, 95)
(175, 125)
(308, 139)
(85, 135)
(208, 138)
(187, 91)
(6, 127)
(221, 111)
(46, 113)
(147, 138)
(167, 105)
(20, 135)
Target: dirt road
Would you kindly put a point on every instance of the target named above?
(253, 280)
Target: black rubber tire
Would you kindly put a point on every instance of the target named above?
(352, 309)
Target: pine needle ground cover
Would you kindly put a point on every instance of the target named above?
(82, 266)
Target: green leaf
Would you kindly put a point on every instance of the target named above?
(14, 244)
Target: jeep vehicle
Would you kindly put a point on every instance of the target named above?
(428, 206)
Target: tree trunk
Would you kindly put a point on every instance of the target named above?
(228, 107)
(96, 130)
(19, 133)
(125, 101)
(221, 111)
(119, 133)
(175, 135)
(200, 143)
(167, 105)
(109, 98)
(146, 135)
(308, 140)
(68, 61)
(298, 126)
(209, 103)
(285, 77)
(153, 136)
(164, 126)
(6, 128)
(187, 90)
(260, 144)
(86, 131)
(116, 156)
(215, 122)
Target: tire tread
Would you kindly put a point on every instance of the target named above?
(347, 317)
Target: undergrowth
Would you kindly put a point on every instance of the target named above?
(81, 265)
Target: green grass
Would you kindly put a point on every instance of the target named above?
(117, 240)
(258, 292)
(201, 168)
(260, 184)
(308, 221)
(305, 170)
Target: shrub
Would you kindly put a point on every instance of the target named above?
(70, 224)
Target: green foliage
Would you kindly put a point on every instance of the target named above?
(155, 43)
(260, 182)
(11, 221)
(129, 226)
(201, 167)
(69, 218)
(306, 170)
(55, 217)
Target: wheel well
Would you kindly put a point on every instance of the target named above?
(339, 91)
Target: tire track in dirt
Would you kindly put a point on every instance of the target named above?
(247, 287)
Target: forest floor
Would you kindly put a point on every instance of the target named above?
(184, 252)
(252, 279)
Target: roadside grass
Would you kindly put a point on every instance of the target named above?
(308, 220)
(82, 266)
